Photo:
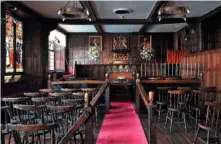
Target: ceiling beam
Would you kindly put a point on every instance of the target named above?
(103, 21)
(153, 14)
(209, 14)
(87, 5)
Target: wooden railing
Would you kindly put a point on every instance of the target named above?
(147, 100)
(86, 118)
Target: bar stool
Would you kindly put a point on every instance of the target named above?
(162, 100)
(199, 97)
(176, 104)
(211, 124)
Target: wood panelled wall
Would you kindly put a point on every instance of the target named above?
(211, 63)
(78, 47)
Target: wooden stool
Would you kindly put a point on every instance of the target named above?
(175, 105)
(162, 99)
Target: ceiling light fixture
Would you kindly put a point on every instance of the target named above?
(173, 12)
(74, 12)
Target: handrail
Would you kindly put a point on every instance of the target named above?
(85, 116)
(151, 135)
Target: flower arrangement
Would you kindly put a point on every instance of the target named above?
(94, 53)
(147, 53)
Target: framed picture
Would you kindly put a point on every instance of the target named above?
(120, 42)
(145, 40)
(95, 41)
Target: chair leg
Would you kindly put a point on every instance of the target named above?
(197, 132)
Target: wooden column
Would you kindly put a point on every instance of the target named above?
(107, 94)
(46, 28)
(137, 100)
(89, 136)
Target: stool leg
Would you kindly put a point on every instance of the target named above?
(197, 132)
(184, 119)
(208, 137)
(167, 117)
(159, 113)
(171, 122)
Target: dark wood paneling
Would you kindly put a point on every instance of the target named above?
(78, 46)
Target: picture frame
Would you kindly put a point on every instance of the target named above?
(144, 40)
(95, 40)
(120, 42)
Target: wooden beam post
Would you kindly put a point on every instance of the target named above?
(152, 135)
(89, 136)
(137, 99)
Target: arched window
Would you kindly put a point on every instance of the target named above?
(14, 67)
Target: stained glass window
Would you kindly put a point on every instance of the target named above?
(19, 42)
(14, 49)
(9, 44)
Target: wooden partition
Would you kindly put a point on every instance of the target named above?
(211, 67)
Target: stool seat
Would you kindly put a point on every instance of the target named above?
(47, 90)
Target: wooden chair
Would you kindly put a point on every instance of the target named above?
(31, 115)
(44, 100)
(162, 100)
(177, 105)
(11, 111)
(59, 96)
(4, 130)
(33, 94)
(32, 128)
(65, 116)
(211, 124)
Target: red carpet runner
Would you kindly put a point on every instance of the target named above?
(121, 125)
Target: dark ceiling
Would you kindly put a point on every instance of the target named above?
(142, 18)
